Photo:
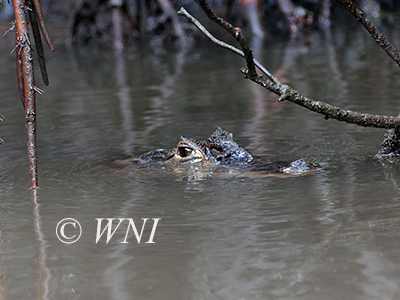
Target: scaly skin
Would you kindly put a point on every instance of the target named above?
(221, 149)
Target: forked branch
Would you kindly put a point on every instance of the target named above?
(284, 91)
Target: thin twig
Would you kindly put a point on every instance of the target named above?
(286, 92)
(184, 12)
(236, 33)
(12, 28)
(379, 38)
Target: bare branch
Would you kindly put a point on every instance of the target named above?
(374, 32)
(286, 92)
(328, 110)
(184, 12)
(236, 33)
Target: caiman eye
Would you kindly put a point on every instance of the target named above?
(184, 152)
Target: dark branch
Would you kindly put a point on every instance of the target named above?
(285, 92)
(236, 33)
(374, 32)
(184, 12)
(328, 110)
(42, 24)
(38, 41)
(27, 83)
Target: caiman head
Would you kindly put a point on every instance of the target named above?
(219, 148)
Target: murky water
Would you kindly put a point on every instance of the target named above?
(329, 235)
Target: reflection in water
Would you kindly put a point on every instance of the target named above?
(160, 108)
(330, 235)
(377, 285)
(115, 276)
(335, 72)
(125, 102)
(390, 170)
(43, 271)
(254, 129)
(3, 286)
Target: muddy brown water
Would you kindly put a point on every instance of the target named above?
(330, 235)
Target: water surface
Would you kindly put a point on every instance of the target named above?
(329, 235)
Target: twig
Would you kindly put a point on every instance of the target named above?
(286, 92)
(184, 12)
(378, 37)
(12, 28)
(236, 33)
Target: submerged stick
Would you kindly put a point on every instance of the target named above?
(24, 53)
(285, 92)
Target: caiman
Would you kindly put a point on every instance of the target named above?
(218, 150)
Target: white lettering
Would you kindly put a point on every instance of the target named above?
(110, 233)
(138, 237)
(153, 231)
